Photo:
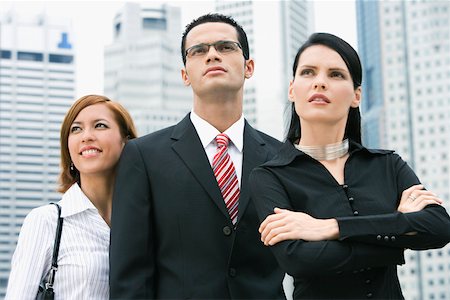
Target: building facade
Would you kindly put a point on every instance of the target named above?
(405, 51)
(37, 86)
(275, 30)
(143, 63)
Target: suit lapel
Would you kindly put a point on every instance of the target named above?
(190, 150)
(254, 154)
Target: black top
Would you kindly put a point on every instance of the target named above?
(362, 263)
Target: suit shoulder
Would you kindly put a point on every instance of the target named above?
(158, 135)
(269, 139)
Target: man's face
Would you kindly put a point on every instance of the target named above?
(213, 70)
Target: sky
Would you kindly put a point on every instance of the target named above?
(92, 27)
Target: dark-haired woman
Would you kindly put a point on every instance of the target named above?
(337, 215)
(93, 135)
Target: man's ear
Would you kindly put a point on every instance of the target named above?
(249, 68)
(185, 77)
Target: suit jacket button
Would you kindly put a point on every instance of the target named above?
(232, 272)
(378, 237)
(369, 295)
(393, 238)
(386, 238)
(227, 230)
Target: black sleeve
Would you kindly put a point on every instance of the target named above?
(132, 265)
(301, 258)
(425, 229)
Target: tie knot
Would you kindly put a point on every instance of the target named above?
(222, 140)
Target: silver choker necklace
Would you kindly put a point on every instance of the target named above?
(327, 152)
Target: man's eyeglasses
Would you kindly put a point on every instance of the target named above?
(222, 47)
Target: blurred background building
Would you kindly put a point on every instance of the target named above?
(37, 86)
(274, 40)
(405, 52)
(142, 66)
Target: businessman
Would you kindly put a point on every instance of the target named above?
(183, 225)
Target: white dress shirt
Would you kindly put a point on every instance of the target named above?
(207, 134)
(83, 260)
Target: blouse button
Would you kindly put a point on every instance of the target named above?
(355, 213)
(345, 186)
(232, 272)
(369, 295)
(351, 199)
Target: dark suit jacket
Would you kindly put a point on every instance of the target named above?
(171, 234)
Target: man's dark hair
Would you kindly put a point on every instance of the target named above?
(216, 18)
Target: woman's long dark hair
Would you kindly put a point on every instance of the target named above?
(351, 59)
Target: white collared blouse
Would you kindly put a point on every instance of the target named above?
(83, 264)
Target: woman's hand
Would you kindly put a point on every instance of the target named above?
(289, 225)
(416, 198)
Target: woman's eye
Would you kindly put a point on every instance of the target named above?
(337, 74)
(75, 129)
(101, 125)
(306, 72)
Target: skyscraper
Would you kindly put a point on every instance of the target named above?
(143, 63)
(275, 30)
(36, 88)
(405, 51)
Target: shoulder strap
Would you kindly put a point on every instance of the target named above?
(54, 268)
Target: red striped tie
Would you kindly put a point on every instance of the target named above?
(225, 173)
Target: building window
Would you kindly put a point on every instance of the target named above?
(30, 56)
(5, 54)
(60, 59)
(154, 23)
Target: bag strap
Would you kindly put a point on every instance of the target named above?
(54, 268)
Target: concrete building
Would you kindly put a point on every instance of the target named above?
(37, 86)
(275, 30)
(405, 51)
(143, 63)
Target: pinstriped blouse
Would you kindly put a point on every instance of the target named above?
(83, 266)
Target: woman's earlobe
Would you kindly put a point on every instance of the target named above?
(290, 91)
(358, 95)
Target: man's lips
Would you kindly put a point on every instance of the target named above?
(214, 69)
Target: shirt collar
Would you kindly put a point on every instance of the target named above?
(207, 133)
(288, 153)
(74, 201)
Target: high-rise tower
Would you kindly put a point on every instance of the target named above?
(275, 30)
(143, 63)
(37, 86)
(405, 51)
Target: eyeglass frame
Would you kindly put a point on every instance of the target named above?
(214, 45)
